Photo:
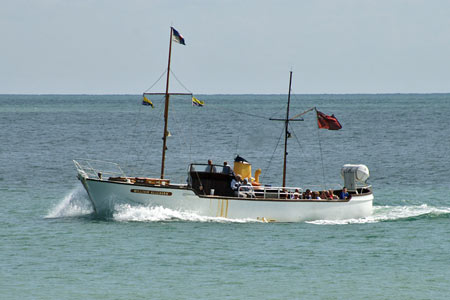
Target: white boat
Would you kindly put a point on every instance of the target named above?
(209, 189)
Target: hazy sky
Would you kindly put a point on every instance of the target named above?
(233, 46)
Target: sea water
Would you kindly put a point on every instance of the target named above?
(52, 245)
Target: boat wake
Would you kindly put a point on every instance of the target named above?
(393, 213)
(74, 204)
(128, 213)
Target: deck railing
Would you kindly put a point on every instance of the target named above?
(247, 191)
(98, 168)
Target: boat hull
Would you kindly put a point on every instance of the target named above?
(106, 195)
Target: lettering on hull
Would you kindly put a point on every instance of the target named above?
(159, 193)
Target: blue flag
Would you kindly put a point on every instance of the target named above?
(177, 37)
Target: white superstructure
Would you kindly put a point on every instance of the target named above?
(269, 204)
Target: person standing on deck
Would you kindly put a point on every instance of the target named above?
(210, 168)
(227, 169)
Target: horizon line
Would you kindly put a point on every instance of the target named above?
(219, 94)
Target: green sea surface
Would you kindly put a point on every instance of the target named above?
(52, 245)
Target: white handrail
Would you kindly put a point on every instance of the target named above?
(246, 191)
(92, 168)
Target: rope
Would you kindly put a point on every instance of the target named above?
(134, 146)
(156, 81)
(270, 161)
(298, 142)
(190, 134)
(201, 184)
(321, 157)
(243, 113)
(182, 141)
(285, 107)
(176, 78)
(150, 138)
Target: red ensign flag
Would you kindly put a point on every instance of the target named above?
(327, 122)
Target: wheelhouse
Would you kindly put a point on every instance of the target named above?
(212, 179)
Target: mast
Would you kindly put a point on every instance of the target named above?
(166, 108)
(286, 131)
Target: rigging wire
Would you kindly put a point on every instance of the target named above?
(243, 113)
(176, 78)
(273, 154)
(320, 146)
(137, 151)
(182, 141)
(133, 134)
(149, 139)
(133, 147)
(163, 73)
(289, 128)
(296, 138)
(321, 158)
(190, 134)
(231, 110)
(281, 110)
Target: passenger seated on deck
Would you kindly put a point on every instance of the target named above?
(345, 195)
(226, 168)
(210, 168)
(315, 196)
(331, 195)
(296, 194)
(235, 184)
(324, 195)
(246, 190)
(307, 194)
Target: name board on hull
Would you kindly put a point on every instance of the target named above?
(159, 193)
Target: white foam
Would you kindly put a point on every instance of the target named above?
(127, 213)
(389, 213)
(74, 204)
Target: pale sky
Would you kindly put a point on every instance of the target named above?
(233, 46)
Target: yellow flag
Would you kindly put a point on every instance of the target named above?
(147, 101)
(196, 102)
